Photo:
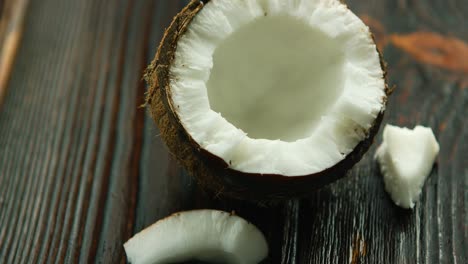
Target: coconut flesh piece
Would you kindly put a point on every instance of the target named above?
(284, 87)
(205, 235)
(406, 158)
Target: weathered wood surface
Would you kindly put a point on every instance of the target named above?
(82, 167)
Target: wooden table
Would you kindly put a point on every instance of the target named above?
(82, 167)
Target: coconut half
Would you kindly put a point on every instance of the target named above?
(264, 99)
(206, 235)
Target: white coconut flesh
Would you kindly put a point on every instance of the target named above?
(406, 158)
(205, 235)
(284, 87)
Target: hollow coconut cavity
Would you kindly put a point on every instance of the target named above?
(264, 92)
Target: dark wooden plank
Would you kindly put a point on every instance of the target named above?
(82, 167)
(71, 132)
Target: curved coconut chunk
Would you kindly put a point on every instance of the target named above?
(406, 158)
(206, 235)
(284, 73)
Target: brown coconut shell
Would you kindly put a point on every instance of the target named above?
(211, 171)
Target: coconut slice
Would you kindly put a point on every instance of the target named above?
(406, 158)
(206, 235)
(268, 98)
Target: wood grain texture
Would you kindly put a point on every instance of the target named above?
(82, 167)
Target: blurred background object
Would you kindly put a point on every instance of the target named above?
(12, 14)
